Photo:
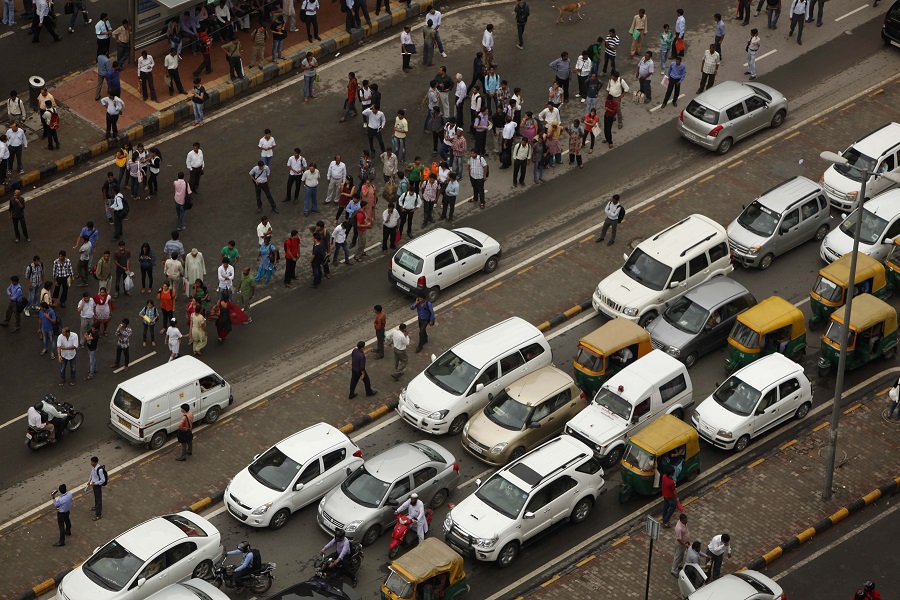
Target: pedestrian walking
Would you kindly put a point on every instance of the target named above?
(43, 19)
(339, 237)
(4, 160)
(669, 495)
(97, 480)
(185, 432)
(798, 18)
(173, 269)
(66, 348)
(431, 191)
(195, 165)
(34, 273)
(17, 215)
(16, 141)
(398, 141)
(173, 337)
(617, 88)
(460, 96)
(122, 37)
(675, 75)
(614, 214)
(717, 548)
(709, 68)
(478, 174)
(609, 117)
(123, 344)
(375, 122)
(17, 303)
(182, 196)
(260, 177)
(562, 68)
(85, 250)
(645, 75)
(173, 245)
(363, 222)
(62, 271)
(9, 12)
(390, 218)
(246, 291)
(521, 154)
(86, 308)
(49, 322)
(428, 42)
(145, 64)
(291, 256)
(358, 371)
(379, 324)
(425, 313)
(62, 502)
(91, 341)
(267, 260)
(350, 100)
(205, 43)
(336, 174)
(522, 12)
(225, 277)
(637, 32)
(773, 11)
(753, 45)
(680, 29)
(487, 46)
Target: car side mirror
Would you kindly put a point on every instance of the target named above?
(255, 457)
(298, 487)
(624, 257)
(760, 411)
(674, 284)
(393, 503)
(141, 581)
(528, 515)
(222, 384)
(433, 357)
(889, 241)
(479, 387)
(477, 484)
(534, 425)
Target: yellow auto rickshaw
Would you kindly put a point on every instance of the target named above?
(667, 442)
(602, 353)
(892, 265)
(430, 571)
(873, 333)
(830, 290)
(773, 325)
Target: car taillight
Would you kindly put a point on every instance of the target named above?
(681, 116)
(391, 265)
(583, 396)
(456, 467)
(715, 131)
(422, 282)
(358, 453)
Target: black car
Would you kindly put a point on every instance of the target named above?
(318, 589)
(890, 31)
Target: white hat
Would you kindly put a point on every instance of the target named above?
(414, 495)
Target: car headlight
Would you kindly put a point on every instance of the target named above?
(676, 352)
(695, 419)
(440, 414)
(262, 509)
(485, 543)
(353, 526)
(448, 523)
(631, 312)
(498, 448)
(599, 291)
(753, 250)
(322, 504)
(403, 395)
(466, 428)
(724, 433)
(851, 195)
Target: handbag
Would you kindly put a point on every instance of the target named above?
(409, 48)
(665, 81)
(188, 202)
(679, 45)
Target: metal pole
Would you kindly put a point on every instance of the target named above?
(649, 560)
(845, 333)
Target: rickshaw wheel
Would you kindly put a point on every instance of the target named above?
(624, 494)
(824, 371)
(890, 354)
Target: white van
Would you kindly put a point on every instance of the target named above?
(459, 383)
(653, 385)
(147, 408)
(878, 152)
(664, 267)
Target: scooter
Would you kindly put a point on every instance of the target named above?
(404, 536)
(257, 582)
(325, 567)
(38, 438)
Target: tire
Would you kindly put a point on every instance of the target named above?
(32, 444)
(433, 294)
(393, 552)
(457, 424)
(491, 265)
(890, 354)
(439, 498)
(802, 411)
(517, 453)
(157, 440)
(725, 146)
(582, 510)
(742, 443)
(613, 458)
(371, 535)
(261, 585)
(212, 415)
(691, 475)
(279, 519)
(217, 582)
(645, 320)
(356, 562)
(778, 119)
(508, 555)
(203, 570)
(821, 232)
(678, 413)
(690, 360)
(624, 494)
(75, 423)
(766, 261)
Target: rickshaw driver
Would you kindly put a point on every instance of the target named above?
(624, 356)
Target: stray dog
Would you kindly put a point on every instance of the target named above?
(570, 8)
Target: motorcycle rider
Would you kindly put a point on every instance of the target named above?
(415, 510)
(252, 560)
(341, 545)
(55, 419)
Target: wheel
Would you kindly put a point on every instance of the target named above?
(690, 360)
(678, 413)
(725, 146)
(508, 555)
(433, 294)
(32, 444)
(217, 582)
(517, 453)
(212, 415)
(824, 372)
(613, 458)
(778, 119)
(802, 411)
(280, 518)
(766, 261)
(890, 354)
(158, 439)
(821, 232)
(624, 494)
(457, 424)
(742, 443)
(645, 320)
(203, 570)
(393, 552)
(356, 562)
(691, 474)
(491, 264)
(371, 535)
(439, 498)
(581, 510)
(261, 584)
(75, 423)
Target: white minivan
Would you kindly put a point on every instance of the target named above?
(459, 383)
(147, 408)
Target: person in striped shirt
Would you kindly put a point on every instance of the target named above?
(611, 43)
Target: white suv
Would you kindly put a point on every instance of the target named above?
(555, 482)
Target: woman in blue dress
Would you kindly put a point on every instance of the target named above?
(268, 258)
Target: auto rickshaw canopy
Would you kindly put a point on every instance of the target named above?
(664, 434)
(429, 558)
(773, 313)
(867, 267)
(613, 336)
(868, 311)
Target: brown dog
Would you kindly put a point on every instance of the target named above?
(570, 8)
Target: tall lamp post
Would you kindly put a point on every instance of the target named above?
(845, 331)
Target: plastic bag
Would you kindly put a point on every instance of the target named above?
(129, 282)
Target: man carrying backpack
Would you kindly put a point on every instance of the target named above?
(251, 561)
(50, 119)
(97, 481)
(615, 214)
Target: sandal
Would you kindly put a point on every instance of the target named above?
(482, 205)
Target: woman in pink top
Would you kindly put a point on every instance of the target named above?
(182, 191)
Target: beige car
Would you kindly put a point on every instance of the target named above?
(528, 412)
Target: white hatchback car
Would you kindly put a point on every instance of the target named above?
(753, 401)
(293, 473)
(145, 559)
(746, 585)
(432, 262)
(881, 224)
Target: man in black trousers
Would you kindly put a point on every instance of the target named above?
(358, 371)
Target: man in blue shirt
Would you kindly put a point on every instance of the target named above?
(676, 74)
(425, 312)
(63, 505)
(342, 550)
(246, 567)
(102, 72)
(15, 295)
(48, 321)
(491, 85)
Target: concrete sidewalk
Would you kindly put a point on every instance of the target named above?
(760, 505)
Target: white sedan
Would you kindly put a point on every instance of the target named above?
(145, 559)
(192, 589)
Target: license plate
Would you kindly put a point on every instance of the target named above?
(476, 447)
(124, 423)
(403, 287)
(692, 137)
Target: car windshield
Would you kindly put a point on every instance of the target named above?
(451, 373)
(759, 219)
(856, 164)
(468, 238)
(872, 227)
(507, 412)
(760, 91)
(409, 261)
(589, 360)
(703, 113)
(364, 488)
(836, 330)
(828, 289)
(744, 335)
(503, 496)
(274, 469)
(614, 403)
(646, 270)
(399, 585)
(640, 458)
(736, 396)
(686, 315)
(112, 567)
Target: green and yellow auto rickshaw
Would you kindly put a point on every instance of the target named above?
(830, 290)
(872, 333)
(430, 571)
(667, 442)
(773, 325)
(892, 265)
(600, 353)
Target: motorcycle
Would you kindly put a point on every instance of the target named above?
(404, 536)
(38, 438)
(258, 581)
(325, 567)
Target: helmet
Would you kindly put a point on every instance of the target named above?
(50, 398)
(39, 406)
(859, 594)
(869, 586)
(339, 534)
(244, 546)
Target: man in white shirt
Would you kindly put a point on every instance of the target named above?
(390, 218)
(4, 159)
(173, 269)
(42, 20)
(266, 147)
(195, 165)
(406, 47)
(752, 51)
(225, 273)
(263, 229)
(709, 67)
(645, 74)
(296, 166)
(399, 339)
(487, 45)
(35, 421)
(86, 313)
(145, 65)
(375, 122)
(798, 17)
(114, 106)
(171, 63)
(117, 208)
(337, 172)
(435, 16)
(717, 549)
(16, 141)
(260, 177)
(66, 346)
(549, 115)
(461, 92)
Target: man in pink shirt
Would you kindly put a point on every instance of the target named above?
(682, 543)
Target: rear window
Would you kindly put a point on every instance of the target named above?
(526, 474)
(430, 452)
(758, 585)
(670, 389)
(408, 261)
(187, 526)
(127, 403)
(703, 113)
